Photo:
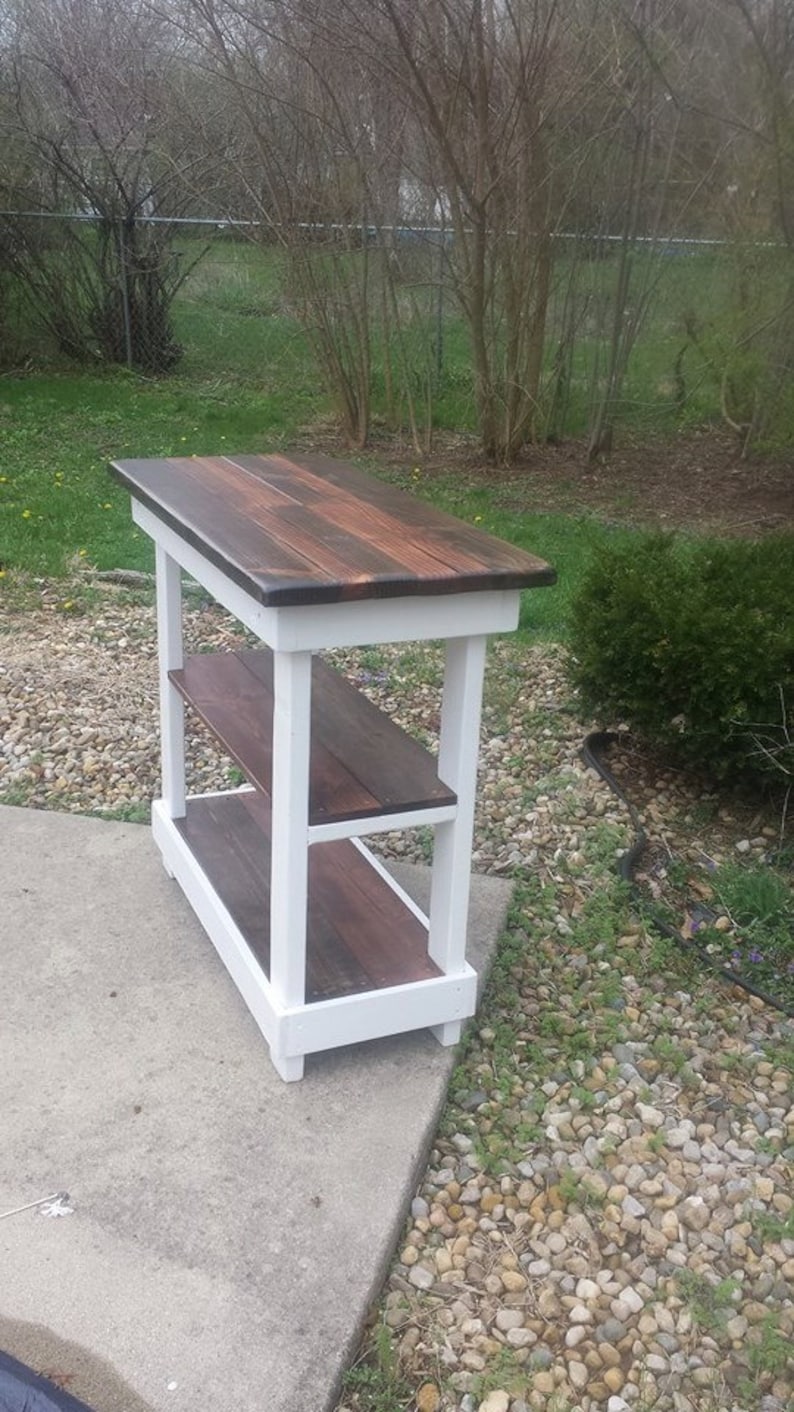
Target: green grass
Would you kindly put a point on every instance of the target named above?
(236, 319)
(58, 502)
(235, 323)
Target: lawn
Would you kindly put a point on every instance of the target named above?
(235, 315)
(58, 434)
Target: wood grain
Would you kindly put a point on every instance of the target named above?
(360, 935)
(362, 764)
(303, 530)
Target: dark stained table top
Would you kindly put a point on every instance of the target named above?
(315, 530)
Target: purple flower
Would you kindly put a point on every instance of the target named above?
(736, 958)
(756, 955)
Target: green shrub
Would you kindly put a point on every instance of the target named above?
(693, 646)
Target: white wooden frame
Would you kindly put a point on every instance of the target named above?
(291, 1027)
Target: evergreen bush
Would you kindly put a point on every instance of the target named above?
(693, 646)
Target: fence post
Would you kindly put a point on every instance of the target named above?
(125, 296)
(440, 306)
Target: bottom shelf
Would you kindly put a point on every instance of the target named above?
(361, 936)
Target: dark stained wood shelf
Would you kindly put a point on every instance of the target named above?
(362, 764)
(361, 936)
(320, 531)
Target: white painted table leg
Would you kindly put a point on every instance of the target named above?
(457, 766)
(292, 676)
(170, 657)
(289, 1069)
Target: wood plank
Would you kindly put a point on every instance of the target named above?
(329, 969)
(314, 530)
(337, 547)
(384, 759)
(265, 492)
(362, 764)
(350, 530)
(356, 485)
(423, 553)
(219, 519)
(374, 940)
(296, 479)
(366, 912)
(356, 741)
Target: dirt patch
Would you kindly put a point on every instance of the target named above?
(696, 481)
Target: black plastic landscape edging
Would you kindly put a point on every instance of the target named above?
(593, 744)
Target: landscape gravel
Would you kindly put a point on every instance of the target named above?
(606, 1221)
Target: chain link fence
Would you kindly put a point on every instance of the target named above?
(221, 299)
(151, 292)
(94, 290)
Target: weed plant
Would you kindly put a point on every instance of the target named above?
(375, 1382)
(711, 1305)
(742, 924)
(758, 946)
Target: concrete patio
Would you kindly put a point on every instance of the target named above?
(228, 1231)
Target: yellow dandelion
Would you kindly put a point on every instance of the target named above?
(26, 514)
(82, 553)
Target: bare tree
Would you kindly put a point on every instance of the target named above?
(332, 122)
(89, 100)
(758, 363)
(357, 107)
(310, 171)
(475, 80)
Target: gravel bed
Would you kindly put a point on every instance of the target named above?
(606, 1220)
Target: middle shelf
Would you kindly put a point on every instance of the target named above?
(363, 765)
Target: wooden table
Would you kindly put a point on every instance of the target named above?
(312, 554)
